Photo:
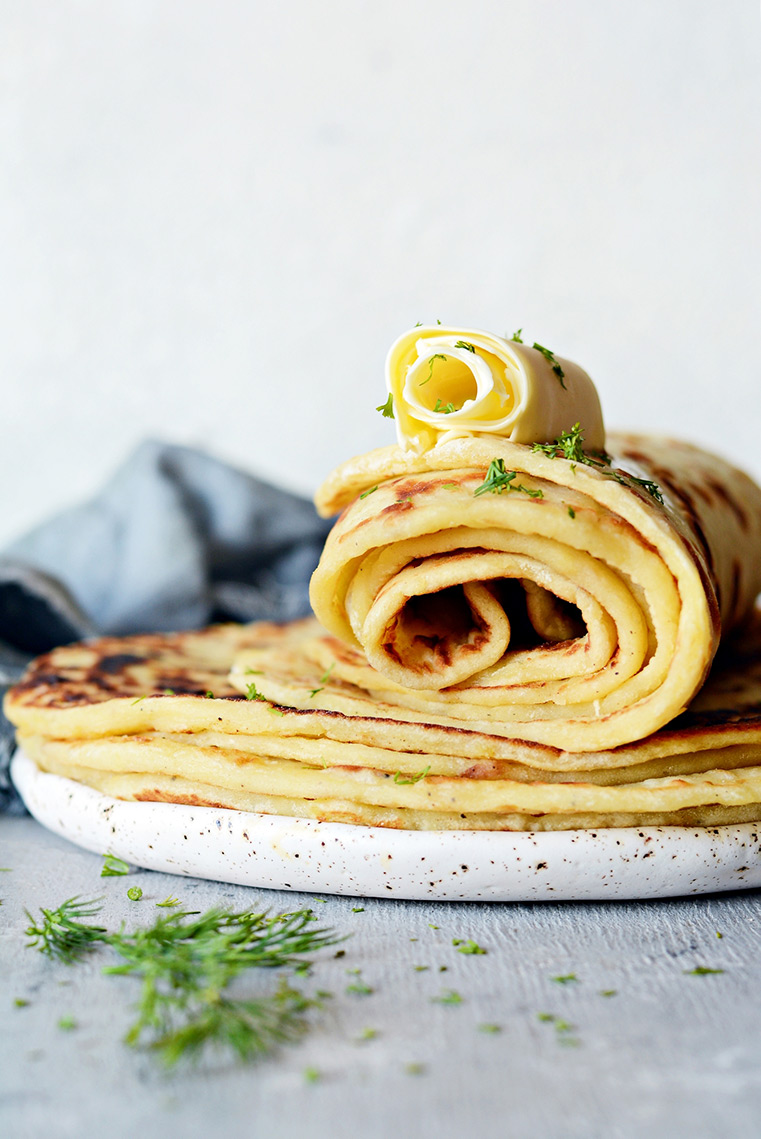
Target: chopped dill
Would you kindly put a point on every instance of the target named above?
(431, 359)
(408, 780)
(387, 409)
(551, 359)
(113, 867)
(253, 693)
(464, 344)
(372, 490)
(498, 479)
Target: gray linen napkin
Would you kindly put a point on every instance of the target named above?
(175, 540)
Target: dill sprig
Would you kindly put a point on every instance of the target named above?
(553, 361)
(569, 445)
(387, 409)
(436, 356)
(498, 479)
(408, 780)
(113, 867)
(186, 962)
(62, 934)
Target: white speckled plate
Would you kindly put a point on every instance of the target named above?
(336, 858)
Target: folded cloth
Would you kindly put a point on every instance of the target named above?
(175, 540)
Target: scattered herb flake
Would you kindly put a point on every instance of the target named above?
(464, 344)
(608, 992)
(113, 867)
(20, 1002)
(67, 1023)
(470, 948)
(209, 695)
(448, 997)
(445, 408)
(571, 512)
(719, 934)
(421, 968)
(253, 693)
(408, 780)
(367, 1034)
(168, 903)
(498, 479)
(551, 359)
(372, 490)
(414, 1069)
(387, 409)
(565, 978)
(517, 336)
(436, 356)
(312, 1075)
(134, 893)
(701, 971)
(357, 909)
(490, 1029)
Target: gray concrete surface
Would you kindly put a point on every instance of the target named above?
(671, 1054)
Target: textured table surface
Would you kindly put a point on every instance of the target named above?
(669, 1053)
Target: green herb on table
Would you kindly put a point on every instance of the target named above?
(113, 867)
(719, 934)
(498, 479)
(312, 1075)
(701, 971)
(432, 926)
(372, 490)
(186, 963)
(67, 1023)
(358, 988)
(367, 1034)
(421, 968)
(20, 1002)
(357, 909)
(470, 948)
(490, 1029)
(551, 359)
(134, 893)
(408, 780)
(464, 344)
(608, 992)
(387, 409)
(565, 979)
(414, 1069)
(448, 997)
(436, 356)
(168, 903)
(253, 693)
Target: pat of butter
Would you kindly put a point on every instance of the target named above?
(457, 382)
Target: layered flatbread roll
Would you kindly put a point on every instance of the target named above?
(570, 591)
(155, 719)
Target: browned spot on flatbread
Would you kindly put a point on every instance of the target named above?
(189, 800)
(730, 502)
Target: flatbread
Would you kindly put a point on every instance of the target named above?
(574, 610)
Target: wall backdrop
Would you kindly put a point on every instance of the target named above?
(215, 218)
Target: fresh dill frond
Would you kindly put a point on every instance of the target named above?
(551, 359)
(168, 903)
(498, 479)
(464, 344)
(701, 971)
(253, 693)
(517, 336)
(113, 867)
(431, 360)
(372, 490)
(565, 979)
(408, 780)
(387, 409)
(569, 445)
(62, 934)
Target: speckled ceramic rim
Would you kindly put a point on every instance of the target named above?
(336, 858)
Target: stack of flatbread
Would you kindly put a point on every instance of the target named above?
(508, 636)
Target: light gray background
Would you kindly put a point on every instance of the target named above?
(215, 218)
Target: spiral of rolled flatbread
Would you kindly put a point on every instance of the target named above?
(566, 605)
